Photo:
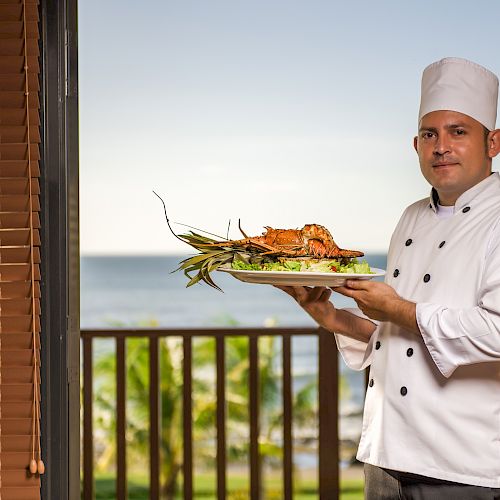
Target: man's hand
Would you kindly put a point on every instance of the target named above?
(315, 301)
(381, 302)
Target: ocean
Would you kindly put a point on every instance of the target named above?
(130, 291)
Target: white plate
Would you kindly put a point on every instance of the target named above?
(290, 278)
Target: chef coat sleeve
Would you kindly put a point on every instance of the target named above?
(357, 354)
(456, 337)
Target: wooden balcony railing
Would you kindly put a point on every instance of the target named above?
(328, 449)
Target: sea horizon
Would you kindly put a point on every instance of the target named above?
(132, 288)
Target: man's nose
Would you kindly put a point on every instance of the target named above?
(442, 145)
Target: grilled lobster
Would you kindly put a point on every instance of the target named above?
(313, 241)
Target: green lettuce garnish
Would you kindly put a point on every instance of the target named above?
(316, 266)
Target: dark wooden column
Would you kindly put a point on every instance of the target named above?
(60, 260)
(328, 417)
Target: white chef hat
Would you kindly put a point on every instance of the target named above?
(459, 85)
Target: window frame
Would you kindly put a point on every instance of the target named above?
(60, 268)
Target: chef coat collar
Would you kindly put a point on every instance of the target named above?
(466, 198)
(434, 200)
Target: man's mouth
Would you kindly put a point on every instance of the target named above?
(444, 164)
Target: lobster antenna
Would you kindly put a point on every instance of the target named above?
(198, 229)
(228, 226)
(166, 217)
(242, 232)
(180, 223)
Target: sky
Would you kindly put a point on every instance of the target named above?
(278, 113)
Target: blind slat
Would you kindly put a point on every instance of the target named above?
(18, 168)
(15, 410)
(28, 2)
(18, 117)
(14, 29)
(16, 324)
(17, 459)
(18, 290)
(18, 202)
(18, 254)
(14, 12)
(17, 237)
(17, 220)
(15, 134)
(16, 392)
(19, 374)
(15, 47)
(18, 272)
(18, 341)
(23, 493)
(15, 64)
(18, 186)
(16, 99)
(17, 82)
(18, 307)
(18, 151)
(16, 443)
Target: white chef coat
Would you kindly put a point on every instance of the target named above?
(433, 402)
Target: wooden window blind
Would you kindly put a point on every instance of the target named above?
(20, 454)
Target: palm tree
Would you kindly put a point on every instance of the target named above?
(204, 403)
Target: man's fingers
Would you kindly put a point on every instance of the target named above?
(358, 284)
(318, 294)
(297, 292)
(306, 295)
(286, 289)
(315, 293)
(348, 292)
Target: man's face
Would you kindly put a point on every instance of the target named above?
(453, 152)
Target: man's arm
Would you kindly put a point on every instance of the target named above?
(315, 301)
(453, 337)
(381, 302)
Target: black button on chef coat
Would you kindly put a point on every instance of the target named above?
(396, 273)
(441, 245)
(377, 345)
(409, 352)
(403, 391)
(370, 383)
(427, 277)
(409, 241)
(465, 210)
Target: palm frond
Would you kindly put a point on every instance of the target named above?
(213, 254)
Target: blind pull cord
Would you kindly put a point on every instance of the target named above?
(35, 466)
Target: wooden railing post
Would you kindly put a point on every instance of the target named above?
(121, 420)
(154, 419)
(88, 436)
(220, 363)
(254, 407)
(287, 419)
(187, 418)
(328, 417)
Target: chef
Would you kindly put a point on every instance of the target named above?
(431, 333)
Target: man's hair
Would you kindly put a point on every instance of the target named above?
(486, 133)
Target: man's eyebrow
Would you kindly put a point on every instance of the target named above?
(457, 125)
(451, 126)
(427, 129)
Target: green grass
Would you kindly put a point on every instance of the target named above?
(351, 489)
